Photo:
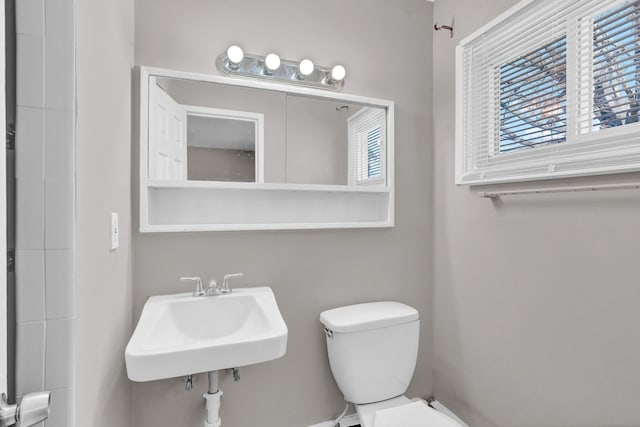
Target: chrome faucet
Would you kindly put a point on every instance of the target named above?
(213, 288)
(226, 282)
(199, 291)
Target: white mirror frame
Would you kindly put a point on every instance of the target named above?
(179, 206)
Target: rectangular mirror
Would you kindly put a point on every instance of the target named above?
(255, 144)
(203, 131)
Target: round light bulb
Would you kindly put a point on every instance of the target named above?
(235, 54)
(306, 67)
(338, 72)
(272, 61)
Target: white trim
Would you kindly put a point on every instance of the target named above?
(143, 174)
(263, 227)
(267, 85)
(391, 161)
(460, 128)
(3, 216)
(250, 186)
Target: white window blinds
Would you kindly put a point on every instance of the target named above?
(550, 89)
(374, 152)
(610, 46)
(533, 98)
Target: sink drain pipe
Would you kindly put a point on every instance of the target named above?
(212, 402)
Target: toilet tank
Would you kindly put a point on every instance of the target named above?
(372, 349)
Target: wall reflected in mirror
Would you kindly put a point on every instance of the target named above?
(204, 131)
(220, 149)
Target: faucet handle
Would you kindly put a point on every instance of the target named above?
(199, 291)
(226, 288)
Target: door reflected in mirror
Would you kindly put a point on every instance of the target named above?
(199, 143)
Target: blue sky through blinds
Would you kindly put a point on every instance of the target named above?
(533, 98)
(616, 43)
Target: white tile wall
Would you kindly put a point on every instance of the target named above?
(58, 354)
(59, 283)
(59, 220)
(58, 54)
(29, 16)
(58, 130)
(30, 137)
(30, 70)
(30, 285)
(29, 213)
(45, 203)
(30, 357)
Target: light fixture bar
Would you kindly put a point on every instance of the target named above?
(254, 66)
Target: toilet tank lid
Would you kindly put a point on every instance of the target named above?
(372, 315)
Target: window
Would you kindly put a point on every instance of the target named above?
(550, 89)
(366, 146)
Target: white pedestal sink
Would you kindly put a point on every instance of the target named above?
(179, 335)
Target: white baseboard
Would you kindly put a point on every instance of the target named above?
(347, 421)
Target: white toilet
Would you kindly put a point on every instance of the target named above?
(373, 349)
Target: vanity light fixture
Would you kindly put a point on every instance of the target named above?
(236, 63)
(337, 73)
(235, 55)
(305, 68)
(271, 63)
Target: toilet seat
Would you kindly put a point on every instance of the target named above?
(402, 412)
(415, 414)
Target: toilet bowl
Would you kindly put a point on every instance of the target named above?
(373, 348)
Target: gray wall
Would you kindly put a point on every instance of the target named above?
(536, 297)
(309, 271)
(317, 141)
(104, 58)
(215, 164)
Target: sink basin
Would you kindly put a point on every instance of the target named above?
(180, 334)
